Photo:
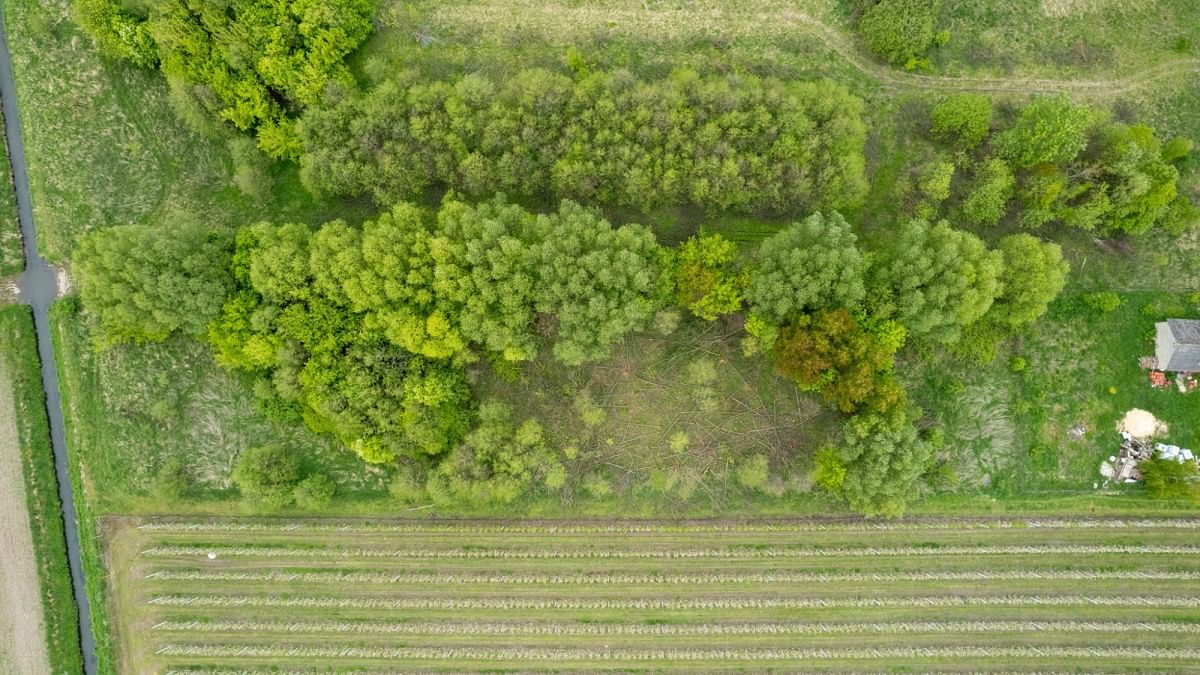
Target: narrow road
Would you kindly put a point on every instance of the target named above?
(38, 288)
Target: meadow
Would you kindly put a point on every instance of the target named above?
(939, 593)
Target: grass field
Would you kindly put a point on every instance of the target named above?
(12, 258)
(936, 594)
(19, 351)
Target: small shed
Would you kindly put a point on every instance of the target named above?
(1177, 345)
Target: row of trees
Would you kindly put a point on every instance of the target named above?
(253, 63)
(733, 143)
(1056, 163)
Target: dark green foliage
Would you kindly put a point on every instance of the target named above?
(255, 63)
(935, 280)
(1034, 273)
(267, 474)
(829, 351)
(737, 143)
(990, 191)
(144, 283)
(1050, 130)
(899, 31)
(884, 457)
(961, 120)
(709, 281)
(496, 463)
(1169, 479)
(809, 265)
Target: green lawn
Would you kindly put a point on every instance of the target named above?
(19, 351)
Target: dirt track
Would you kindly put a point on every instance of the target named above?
(22, 627)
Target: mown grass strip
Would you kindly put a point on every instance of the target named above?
(667, 654)
(700, 578)
(665, 527)
(734, 602)
(469, 628)
(18, 344)
(550, 552)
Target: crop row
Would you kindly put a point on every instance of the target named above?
(550, 552)
(719, 602)
(606, 578)
(667, 654)
(635, 629)
(663, 527)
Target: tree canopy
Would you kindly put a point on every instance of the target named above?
(1034, 275)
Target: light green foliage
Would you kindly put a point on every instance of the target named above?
(884, 457)
(1103, 301)
(1169, 479)
(1134, 188)
(1050, 130)
(935, 180)
(753, 471)
(829, 351)
(598, 281)
(268, 474)
(1034, 274)
(144, 283)
(734, 144)
(991, 189)
(118, 33)
(708, 279)
(486, 275)
(935, 280)
(809, 265)
(258, 61)
(315, 492)
(496, 463)
(899, 31)
(961, 120)
(591, 414)
(678, 442)
(829, 472)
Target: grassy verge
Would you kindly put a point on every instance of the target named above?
(12, 258)
(94, 567)
(19, 349)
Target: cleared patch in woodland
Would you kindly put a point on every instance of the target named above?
(944, 593)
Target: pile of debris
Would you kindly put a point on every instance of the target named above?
(1138, 429)
(1174, 452)
(1123, 467)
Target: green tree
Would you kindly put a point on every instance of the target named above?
(935, 280)
(267, 474)
(961, 120)
(144, 283)
(809, 265)
(1169, 479)
(991, 189)
(118, 33)
(884, 457)
(599, 282)
(1034, 274)
(899, 31)
(708, 279)
(1050, 130)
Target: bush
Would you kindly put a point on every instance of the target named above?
(315, 492)
(753, 471)
(729, 144)
(830, 471)
(267, 474)
(1168, 479)
(708, 279)
(899, 31)
(172, 481)
(961, 120)
(990, 191)
(1103, 301)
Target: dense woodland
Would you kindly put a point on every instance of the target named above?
(490, 248)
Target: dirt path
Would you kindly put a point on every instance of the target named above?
(22, 627)
(561, 21)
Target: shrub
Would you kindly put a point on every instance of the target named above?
(1034, 275)
(829, 471)
(1168, 479)
(315, 492)
(708, 279)
(267, 474)
(990, 191)
(961, 120)
(753, 471)
(172, 480)
(899, 31)
(1103, 301)
(1050, 130)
